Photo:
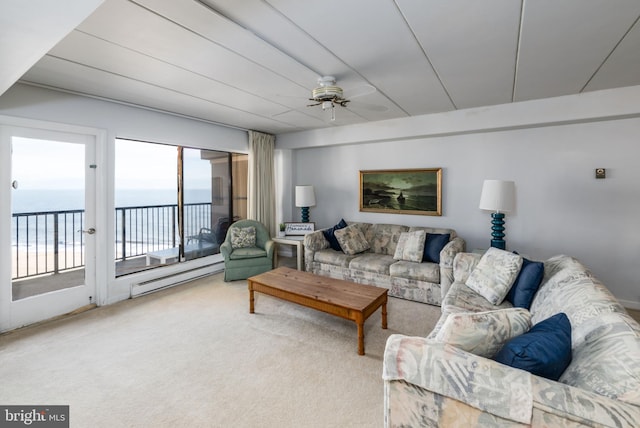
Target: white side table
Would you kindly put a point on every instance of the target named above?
(295, 240)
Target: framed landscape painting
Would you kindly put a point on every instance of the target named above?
(402, 191)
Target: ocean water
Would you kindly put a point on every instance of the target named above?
(37, 231)
(30, 200)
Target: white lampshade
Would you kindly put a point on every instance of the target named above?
(498, 196)
(305, 196)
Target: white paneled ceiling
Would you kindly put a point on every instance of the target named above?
(252, 64)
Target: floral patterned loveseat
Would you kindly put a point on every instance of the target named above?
(430, 382)
(379, 264)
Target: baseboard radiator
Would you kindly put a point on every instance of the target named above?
(174, 279)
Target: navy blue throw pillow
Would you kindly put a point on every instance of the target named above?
(526, 284)
(545, 350)
(329, 234)
(434, 243)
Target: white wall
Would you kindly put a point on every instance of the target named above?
(561, 207)
(115, 121)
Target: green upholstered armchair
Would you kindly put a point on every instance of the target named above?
(246, 261)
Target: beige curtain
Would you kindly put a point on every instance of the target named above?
(262, 195)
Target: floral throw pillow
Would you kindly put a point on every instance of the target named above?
(484, 333)
(494, 274)
(243, 237)
(410, 246)
(351, 240)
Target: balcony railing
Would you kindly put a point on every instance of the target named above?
(52, 241)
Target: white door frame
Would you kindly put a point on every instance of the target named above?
(22, 312)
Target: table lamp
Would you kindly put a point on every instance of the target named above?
(305, 198)
(498, 196)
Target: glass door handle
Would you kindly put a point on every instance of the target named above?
(91, 231)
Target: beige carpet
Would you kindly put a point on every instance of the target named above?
(193, 356)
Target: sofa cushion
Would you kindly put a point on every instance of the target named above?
(351, 239)
(333, 257)
(383, 238)
(329, 234)
(433, 244)
(247, 253)
(428, 272)
(461, 298)
(451, 232)
(463, 265)
(243, 237)
(544, 351)
(369, 262)
(410, 246)
(484, 333)
(607, 360)
(494, 275)
(526, 284)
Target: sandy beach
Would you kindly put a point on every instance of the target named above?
(31, 262)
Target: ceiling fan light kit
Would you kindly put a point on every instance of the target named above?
(327, 95)
(327, 89)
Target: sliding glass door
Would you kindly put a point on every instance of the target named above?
(174, 203)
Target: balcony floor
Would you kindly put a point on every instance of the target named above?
(51, 282)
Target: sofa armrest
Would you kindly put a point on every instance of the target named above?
(447, 255)
(314, 241)
(270, 247)
(479, 382)
(463, 265)
(225, 249)
(553, 400)
(449, 252)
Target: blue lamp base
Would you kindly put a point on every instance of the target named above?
(305, 214)
(497, 234)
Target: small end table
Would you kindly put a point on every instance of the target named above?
(295, 240)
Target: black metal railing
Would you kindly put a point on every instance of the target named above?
(47, 242)
(142, 229)
(52, 241)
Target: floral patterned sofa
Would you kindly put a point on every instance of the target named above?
(380, 257)
(433, 382)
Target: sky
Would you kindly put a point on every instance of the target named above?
(39, 164)
(155, 166)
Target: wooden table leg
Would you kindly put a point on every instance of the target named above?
(360, 337)
(251, 299)
(384, 315)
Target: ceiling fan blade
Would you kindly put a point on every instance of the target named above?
(356, 105)
(359, 91)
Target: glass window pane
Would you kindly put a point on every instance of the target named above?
(199, 187)
(146, 206)
(47, 216)
(146, 190)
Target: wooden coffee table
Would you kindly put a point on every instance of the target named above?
(355, 302)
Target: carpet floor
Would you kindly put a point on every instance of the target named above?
(193, 356)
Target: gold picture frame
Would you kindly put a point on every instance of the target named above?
(402, 191)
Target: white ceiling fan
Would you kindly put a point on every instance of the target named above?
(328, 95)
